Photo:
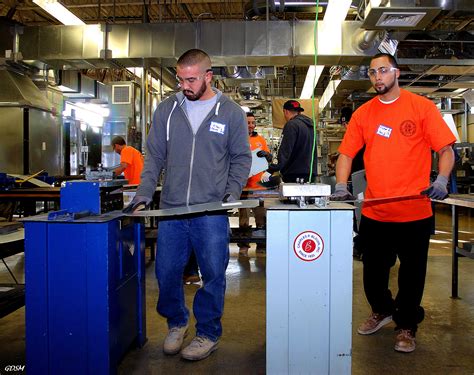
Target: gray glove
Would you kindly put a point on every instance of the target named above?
(341, 193)
(138, 203)
(437, 189)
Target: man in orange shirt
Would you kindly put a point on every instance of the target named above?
(131, 161)
(399, 129)
(256, 141)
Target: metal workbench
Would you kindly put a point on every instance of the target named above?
(455, 201)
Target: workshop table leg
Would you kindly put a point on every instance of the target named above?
(455, 225)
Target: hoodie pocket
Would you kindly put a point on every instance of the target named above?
(175, 186)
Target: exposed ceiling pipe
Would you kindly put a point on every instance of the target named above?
(368, 39)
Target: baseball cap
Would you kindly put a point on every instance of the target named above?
(293, 105)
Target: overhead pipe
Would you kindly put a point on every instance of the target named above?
(365, 40)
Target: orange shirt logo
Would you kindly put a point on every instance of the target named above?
(408, 128)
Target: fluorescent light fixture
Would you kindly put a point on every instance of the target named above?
(312, 78)
(328, 93)
(58, 11)
(330, 34)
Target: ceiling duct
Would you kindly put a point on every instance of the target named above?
(232, 43)
(17, 90)
(368, 41)
(246, 72)
(400, 14)
(74, 85)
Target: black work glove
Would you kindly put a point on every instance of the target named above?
(138, 203)
(341, 193)
(437, 189)
(265, 154)
(228, 198)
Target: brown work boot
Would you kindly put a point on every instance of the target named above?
(191, 279)
(406, 342)
(374, 323)
(243, 251)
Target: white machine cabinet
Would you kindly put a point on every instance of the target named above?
(309, 289)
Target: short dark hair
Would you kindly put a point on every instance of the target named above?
(118, 140)
(250, 114)
(390, 58)
(194, 57)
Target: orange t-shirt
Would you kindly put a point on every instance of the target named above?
(399, 138)
(134, 160)
(256, 141)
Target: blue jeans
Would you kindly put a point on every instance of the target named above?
(208, 236)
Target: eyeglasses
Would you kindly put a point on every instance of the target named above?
(191, 80)
(382, 70)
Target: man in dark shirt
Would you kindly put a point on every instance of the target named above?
(296, 146)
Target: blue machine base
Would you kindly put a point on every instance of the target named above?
(85, 294)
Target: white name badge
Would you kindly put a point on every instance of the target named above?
(384, 131)
(217, 127)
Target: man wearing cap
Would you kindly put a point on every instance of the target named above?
(296, 146)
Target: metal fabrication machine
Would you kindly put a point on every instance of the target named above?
(309, 282)
(85, 283)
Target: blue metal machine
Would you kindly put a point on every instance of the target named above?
(85, 286)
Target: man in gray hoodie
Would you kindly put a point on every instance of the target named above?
(199, 137)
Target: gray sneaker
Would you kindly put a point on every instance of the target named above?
(174, 339)
(199, 348)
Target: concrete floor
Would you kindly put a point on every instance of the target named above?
(445, 340)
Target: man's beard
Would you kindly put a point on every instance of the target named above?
(385, 88)
(197, 95)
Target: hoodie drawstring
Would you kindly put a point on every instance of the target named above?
(168, 122)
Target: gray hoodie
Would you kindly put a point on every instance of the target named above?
(201, 167)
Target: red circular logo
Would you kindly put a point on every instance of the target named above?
(408, 128)
(308, 246)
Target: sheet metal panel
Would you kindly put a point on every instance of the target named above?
(45, 143)
(309, 291)
(11, 140)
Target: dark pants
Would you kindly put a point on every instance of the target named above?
(383, 242)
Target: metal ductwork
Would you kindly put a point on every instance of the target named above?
(401, 14)
(365, 40)
(234, 43)
(75, 85)
(17, 90)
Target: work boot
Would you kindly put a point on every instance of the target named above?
(200, 348)
(405, 341)
(191, 279)
(243, 251)
(374, 323)
(174, 339)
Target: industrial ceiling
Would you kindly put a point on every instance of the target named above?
(248, 38)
